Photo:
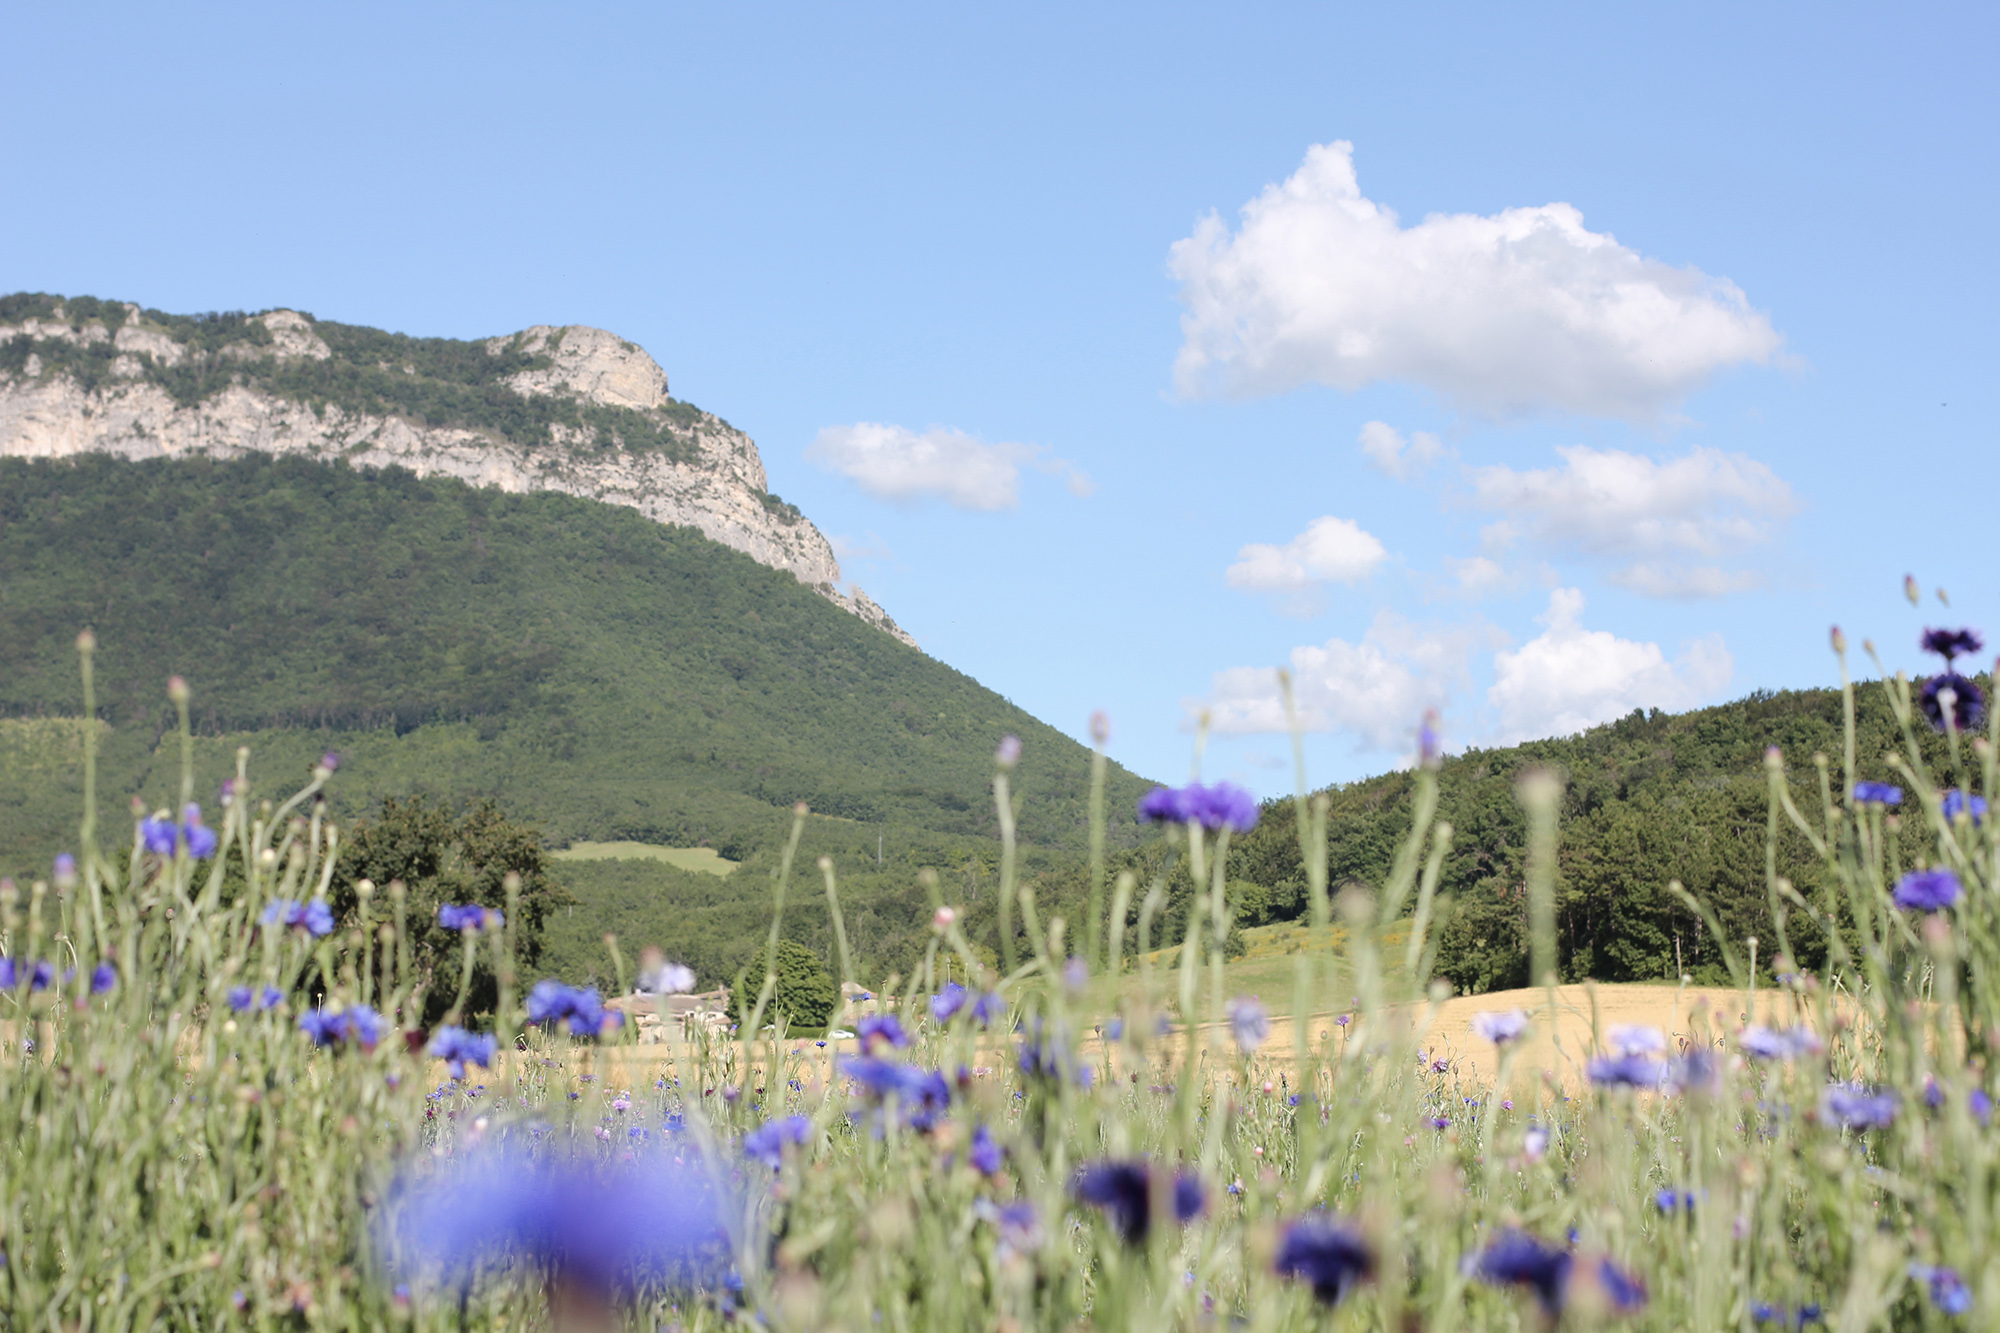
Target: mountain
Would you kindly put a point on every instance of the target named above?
(510, 569)
(574, 410)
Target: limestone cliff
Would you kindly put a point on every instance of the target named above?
(572, 409)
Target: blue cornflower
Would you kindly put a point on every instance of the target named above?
(35, 976)
(1623, 1292)
(1948, 1291)
(1249, 1023)
(947, 1002)
(161, 835)
(883, 1029)
(1854, 1107)
(242, 999)
(1762, 1043)
(1500, 1026)
(1877, 793)
(923, 1093)
(1950, 643)
(552, 1002)
(314, 918)
(102, 978)
(65, 870)
(458, 1048)
(1125, 1192)
(470, 916)
(1330, 1257)
(1225, 805)
(1051, 1059)
(985, 1155)
(1927, 890)
(1957, 803)
(1632, 1071)
(357, 1023)
(1515, 1258)
(767, 1142)
(1968, 707)
(987, 1007)
(605, 1229)
(1439, 1122)
(1981, 1106)
(1674, 1201)
(1786, 1317)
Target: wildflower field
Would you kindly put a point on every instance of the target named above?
(224, 1112)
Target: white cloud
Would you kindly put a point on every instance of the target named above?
(1664, 523)
(1569, 678)
(1389, 453)
(1521, 312)
(1478, 575)
(897, 464)
(1330, 550)
(1376, 689)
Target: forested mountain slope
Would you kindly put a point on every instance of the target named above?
(602, 674)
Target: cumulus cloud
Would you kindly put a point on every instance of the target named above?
(1518, 313)
(1569, 678)
(1664, 524)
(1330, 550)
(902, 466)
(1478, 575)
(1390, 454)
(1376, 689)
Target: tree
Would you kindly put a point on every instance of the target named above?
(805, 994)
(445, 856)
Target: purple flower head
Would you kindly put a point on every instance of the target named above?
(329, 761)
(1225, 805)
(767, 1142)
(1330, 1257)
(1957, 803)
(604, 1228)
(1430, 746)
(458, 1048)
(947, 1002)
(988, 1007)
(357, 1023)
(1981, 1107)
(315, 917)
(470, 916)
(923, 1094)
(1927, 890)
(1515, 1258)
(1762, 1043)
(102, 978)
(1877, 793)
(1500, 1026)
(1622, 1292)
(1950, 643)
(1124, 1192)
(1630, 1071)
(1249, 1023)
(1947, 1289)
(552, 1002)
(985, 1155)
(1050, 1058)
(1785, 1316)
(158, 835)
(1968, 707)
(1854, 1107)
(1008, 752)
(242, 999)
(199, 837)
(1189, 1198)
(1674, 1201)
(1439, 1122)
(65, 871)
(16, 972)
(882, 1030)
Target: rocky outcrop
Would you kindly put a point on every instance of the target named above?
(716, 484)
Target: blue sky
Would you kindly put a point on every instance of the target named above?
(1533, 466)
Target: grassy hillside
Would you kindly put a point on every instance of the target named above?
(602, 674)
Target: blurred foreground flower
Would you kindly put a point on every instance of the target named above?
(470, 916)
(1854, 1107)
(1130, 1192)
(595, 1234)
(1225, 805)
(1330, 1257)
(1949, 690)
(767, 1142)
(1500, 1026)
(1878, 793)
(356, 1023)
(1249, 1023)
(162, 836)
(1518, 1259)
